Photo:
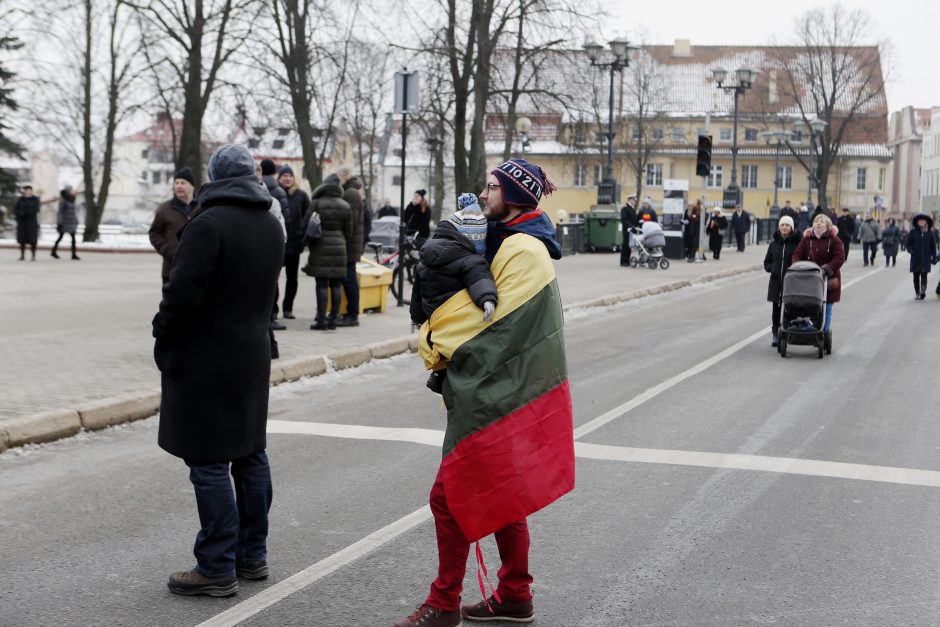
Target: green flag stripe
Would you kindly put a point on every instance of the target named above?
(513, 362)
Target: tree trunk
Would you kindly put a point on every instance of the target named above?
(92, 212)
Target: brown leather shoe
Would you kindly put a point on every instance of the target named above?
(191, 582)
(507, 611)
(427, 616)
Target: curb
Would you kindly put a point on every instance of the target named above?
(86, 249)
(92, 416)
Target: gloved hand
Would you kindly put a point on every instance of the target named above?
(826, 272)
(489, 308)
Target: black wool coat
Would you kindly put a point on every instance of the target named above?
(449, 263)
(356, 243)
(298, 203)
(327, 258)
(778, 259)
(716, 231)
(922, 245)
(211, 331)
(26, 211)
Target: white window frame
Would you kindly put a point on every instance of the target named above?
(580, 175)
(749, 177)
(785, 177)
(657, 134)
(654, 175)
(724, 134)
(677, 134)
(716, 177)
(861, 179)
(750, 135)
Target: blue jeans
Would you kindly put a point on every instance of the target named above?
(234, 522)
(351, 287)
(828, 322)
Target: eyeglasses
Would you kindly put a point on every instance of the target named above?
(492, 187)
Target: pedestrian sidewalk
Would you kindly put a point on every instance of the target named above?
(76, 332)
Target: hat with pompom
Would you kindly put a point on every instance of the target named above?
(523, 183)
(470, 221)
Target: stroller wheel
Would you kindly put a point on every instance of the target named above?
(820, 350)
(782, 346)
(664, 263)
(652, 264)
(634, 262)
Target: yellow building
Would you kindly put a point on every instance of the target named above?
(566, 133)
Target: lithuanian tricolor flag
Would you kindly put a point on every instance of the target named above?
(509, 444)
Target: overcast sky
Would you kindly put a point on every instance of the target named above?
(913, 26)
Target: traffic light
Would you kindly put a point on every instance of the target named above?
(703, 160)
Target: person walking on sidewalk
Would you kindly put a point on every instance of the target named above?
(778, 259)
(628, 220)
(890, 242)
(740, 226)
(327, 259)
(298, 203)
(514, 361)
(716, 232)
(26, 212)
(66, 220)
(354, 195)
(922, 245)
(869, 234)
(172, 216)
(214, 358)
(846, 226)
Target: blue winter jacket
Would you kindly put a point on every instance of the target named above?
(534, 223)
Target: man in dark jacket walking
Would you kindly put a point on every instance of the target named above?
(213, 353)
(26, 211)
(627, 222)
(846, 226)
(740, 225)
(298, 202)
(172, 216)
(268, 170)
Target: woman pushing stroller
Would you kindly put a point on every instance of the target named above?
(777, 260)
(821, 246)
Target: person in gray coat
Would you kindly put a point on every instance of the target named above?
(869, 234)
(67, 220)
(213, 352)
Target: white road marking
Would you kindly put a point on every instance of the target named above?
(279, 591)
(269, 596)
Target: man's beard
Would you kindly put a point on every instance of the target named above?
(498, 214)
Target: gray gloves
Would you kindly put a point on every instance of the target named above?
(489, 308)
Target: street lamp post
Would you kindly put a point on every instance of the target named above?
(607, 191)
(779, 139)
(746, 77)
(816, 126)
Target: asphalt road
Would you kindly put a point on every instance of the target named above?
(677, 401)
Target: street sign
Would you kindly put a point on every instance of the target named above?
(407, 92)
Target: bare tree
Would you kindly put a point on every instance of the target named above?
(642, 101)
(195, 38)
(7, 104)
(835, 73)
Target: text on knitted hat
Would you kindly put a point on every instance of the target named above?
(527, 178)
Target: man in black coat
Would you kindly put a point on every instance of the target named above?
(268, 170)
(26, 211)
(846, 226)
(214, 357)
(627, 222)
(740, 225)
(298, 202)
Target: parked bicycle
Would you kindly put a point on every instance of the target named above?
(390, 258)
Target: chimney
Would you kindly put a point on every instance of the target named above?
(682, 49)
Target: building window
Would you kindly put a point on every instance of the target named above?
(658, 134)
(654, 175)
(396, 152)
(750, 134)
(637, 133)
(144, 153)
(580, 175)
(881, 180)
(155, 177)
(860, 175)
(785, 177)
(724, 134)
(749, 176)
(796, 137)
(277, 144)
(168, 176)
(598, 174)
(677, 135)
(283, 132)
(580, 133)
(396, 181)
(254, 142)
(716, 176)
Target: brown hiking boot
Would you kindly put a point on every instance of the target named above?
(507, 611)
(427, 616)
(191, 582)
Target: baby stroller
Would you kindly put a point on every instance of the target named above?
(647, 245)
(804, 309)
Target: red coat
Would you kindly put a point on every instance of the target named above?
(827, 252)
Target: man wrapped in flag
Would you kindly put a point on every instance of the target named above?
(509, 445)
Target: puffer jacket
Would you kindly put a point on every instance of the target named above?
(449, 263)
(67, 219)
(327, 259)
(828, 253)
(356, 243)
(777, 260)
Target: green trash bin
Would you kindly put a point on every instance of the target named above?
(602, 230)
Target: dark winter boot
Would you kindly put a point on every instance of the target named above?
(75, 257)
(331, 323)
(193, 582)
(319, 324)
(54, 254)
(773, 337)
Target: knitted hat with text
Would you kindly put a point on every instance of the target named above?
(523, 183)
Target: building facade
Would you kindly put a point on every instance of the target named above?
(905, 139)
(930, 166)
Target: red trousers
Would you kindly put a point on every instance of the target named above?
(453, 549)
